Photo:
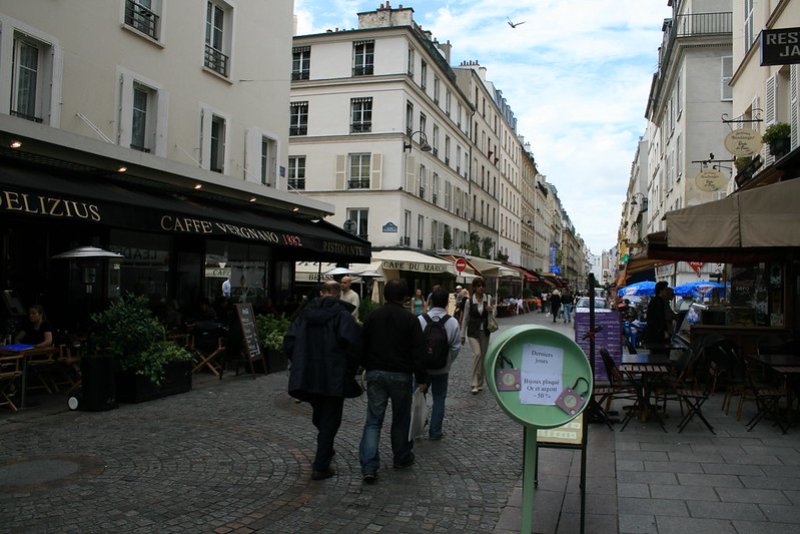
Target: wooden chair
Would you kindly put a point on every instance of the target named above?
(41, 363)
(10, 375)
(619, 387)
(208, 346)
(766, 394)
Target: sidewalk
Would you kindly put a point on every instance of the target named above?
(235, 457)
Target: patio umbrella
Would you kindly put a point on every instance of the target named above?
(701, 288)
(639, 289)
(338, 270)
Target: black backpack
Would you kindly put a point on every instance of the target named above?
(437, 346)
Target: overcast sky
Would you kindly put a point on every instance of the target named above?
(576, 74)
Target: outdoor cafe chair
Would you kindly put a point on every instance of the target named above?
(10, 375)
(766, 394)
(619, 386)
(695, 397)
(207, 344)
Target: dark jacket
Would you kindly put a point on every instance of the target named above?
(323, 344)
(393, 341)
(656, 332)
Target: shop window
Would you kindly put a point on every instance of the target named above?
(236, 272)
(145, 270)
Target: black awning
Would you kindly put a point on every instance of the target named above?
(79, 198)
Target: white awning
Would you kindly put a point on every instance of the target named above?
(493, 269)
(409, 260)
(766, 216)
(309, 271)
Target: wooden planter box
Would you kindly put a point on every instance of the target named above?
(132, 388)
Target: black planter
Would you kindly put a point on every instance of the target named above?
(779, 147)
(132, 388)
(276, 361)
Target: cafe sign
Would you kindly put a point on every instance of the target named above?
(780, 46)
(416, 266)
(743, 142)
(710, 180)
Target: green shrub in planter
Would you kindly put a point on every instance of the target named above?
(778, 137)
(128, 331)
(271, 330)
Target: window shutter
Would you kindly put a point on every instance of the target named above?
(794, 104)
(252, 155)
(770, 116)
(376, 172)
(161, 123)
(411, 175)
(341, 171)
(125, 110)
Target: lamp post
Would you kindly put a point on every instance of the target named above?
(423, 142)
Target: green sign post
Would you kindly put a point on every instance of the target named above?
(541, 379)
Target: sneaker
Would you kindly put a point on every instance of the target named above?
(322, 475)
(408, 463)
(474, 391)
(370, 478)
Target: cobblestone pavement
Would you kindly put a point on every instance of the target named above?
(236, 457)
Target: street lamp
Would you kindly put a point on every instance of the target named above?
(423, 142)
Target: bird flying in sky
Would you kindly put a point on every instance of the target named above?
(514, 24)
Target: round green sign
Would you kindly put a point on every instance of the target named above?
(540, 377)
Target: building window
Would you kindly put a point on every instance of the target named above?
(218, 36)
(435, 189)
(411, 62)
(409, 118)
(297, 173)
(142, 134)
(423, 123)
(363, 58)
(360, 115)
(748, 25)
(269, 161)
(423, 75)
(31, 78)
(436, 89)
(298, 114)
(217, 152)
(458, 159)
(420, 230)
(359, 171)
(435, 140)
(447, 150)
(423, 179)
(360, 216)
(447, 99)
(727, 74)
(301, 63)
(142, 15)
(406, 228)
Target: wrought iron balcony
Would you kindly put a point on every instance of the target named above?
(216, 60)
(358, 184)
(142, 18)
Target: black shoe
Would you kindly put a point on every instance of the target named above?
(436, 438)
(408, 463)
(322, 475)
(370, 479)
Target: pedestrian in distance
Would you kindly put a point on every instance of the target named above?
(442, 347)
(324, 345)
(350, 296)
(555, 303)
(567, 303)
(474, 325)
(418, 305)
(393, 356)
(657, 333)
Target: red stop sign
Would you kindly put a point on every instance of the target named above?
(461, 264)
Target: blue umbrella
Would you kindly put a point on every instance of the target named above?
(701, 288)
(639, 289)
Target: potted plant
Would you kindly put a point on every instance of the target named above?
(148, 366)
(777, 137)
(271, 330)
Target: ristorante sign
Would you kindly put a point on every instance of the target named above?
(780, 46)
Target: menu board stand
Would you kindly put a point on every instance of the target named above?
(251, 347)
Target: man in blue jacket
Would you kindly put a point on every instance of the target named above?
(392, 355)
(323, 344)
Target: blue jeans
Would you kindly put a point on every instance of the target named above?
(383, 386)
(567, 313)
(438, 389)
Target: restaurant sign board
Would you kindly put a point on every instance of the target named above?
(743, 142)
(780, 46)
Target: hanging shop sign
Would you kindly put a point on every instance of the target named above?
(780, 46)
(743, 142)
(710, 180)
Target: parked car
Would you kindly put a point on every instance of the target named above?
(600, 305)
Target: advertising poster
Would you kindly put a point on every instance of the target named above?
(609, 337)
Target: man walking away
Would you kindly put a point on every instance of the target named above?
(657, 332)
(567, 301)
(323, 344)
(393, 356)
(555, 303)
(438, 374)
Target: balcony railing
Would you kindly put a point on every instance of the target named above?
(216, 60)
(143, 19)
(297, 183)
(361, 127)
(25, 116)
(358, 184)
(703, 24)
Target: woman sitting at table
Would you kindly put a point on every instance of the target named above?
(36, 331)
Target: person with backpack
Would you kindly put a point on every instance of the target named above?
(442, 335)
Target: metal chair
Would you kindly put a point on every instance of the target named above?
(766, 395)
(694, 398)
(10, 375)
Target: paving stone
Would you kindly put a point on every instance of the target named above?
(651, 506)
(724, 510)
(782, 514)
(684, 493)
(673, 467)
(758, 496)
(682, 525)
(637, 524)
(691, 479)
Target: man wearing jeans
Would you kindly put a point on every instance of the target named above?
(393, 357)
(438, 377)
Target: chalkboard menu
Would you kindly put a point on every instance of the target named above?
(247, 320)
